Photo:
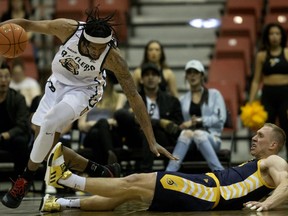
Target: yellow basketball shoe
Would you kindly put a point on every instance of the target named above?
(56, 167)
(49, 204)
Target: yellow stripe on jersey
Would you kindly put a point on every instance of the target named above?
(188, 187)
(241, 189)
(244, 187)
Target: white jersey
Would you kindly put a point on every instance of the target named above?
(72, 68)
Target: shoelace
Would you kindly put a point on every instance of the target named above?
(18, 188)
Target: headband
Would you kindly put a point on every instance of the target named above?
(98, 40)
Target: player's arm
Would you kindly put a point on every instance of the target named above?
(61, 28)
(278, 171)
(114, 62)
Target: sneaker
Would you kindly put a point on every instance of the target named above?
(112, 170)
(50, 189)
(13, 198)
(49, 204)
(56, 167)
(56, 155)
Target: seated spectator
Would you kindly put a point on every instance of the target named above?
(27, 86)
(18, 9)
(154, 52)
(14, 125)
(164, 111)
(99, 125)
(204, 115)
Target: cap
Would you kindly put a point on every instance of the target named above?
(195, 64)
(149, 66)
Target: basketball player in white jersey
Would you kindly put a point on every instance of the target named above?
(75, 86)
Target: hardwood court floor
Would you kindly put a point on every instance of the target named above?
(30, 207)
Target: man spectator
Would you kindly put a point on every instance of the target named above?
(164, 111)
(14, 124)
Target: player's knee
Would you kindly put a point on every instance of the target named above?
(51, 123)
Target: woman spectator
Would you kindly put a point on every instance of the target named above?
(154, 52)
(271, 70)
(99, 125)
(204, 115)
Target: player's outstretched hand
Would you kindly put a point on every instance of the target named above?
(158, 149)
(257, 206)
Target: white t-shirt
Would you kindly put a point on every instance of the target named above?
(29, 87)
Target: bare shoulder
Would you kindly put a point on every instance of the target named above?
(115, 61)
(261, 55)
(168, 71)
(274, 161)
(137, 73)
(286, 53)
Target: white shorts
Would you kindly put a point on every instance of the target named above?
(81, 99)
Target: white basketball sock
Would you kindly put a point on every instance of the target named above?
(74, 181)
(68, 203)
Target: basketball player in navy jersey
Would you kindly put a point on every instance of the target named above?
(75, 86)
(230, 189)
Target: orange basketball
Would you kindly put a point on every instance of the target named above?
(13, 40)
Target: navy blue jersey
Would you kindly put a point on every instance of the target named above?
(241, 184)
(222, 190)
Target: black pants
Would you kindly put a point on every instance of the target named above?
(18, 149)
(135, 138)
(275, 101)
(163, 138)
(101, 138)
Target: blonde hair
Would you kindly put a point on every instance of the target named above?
(278, 135)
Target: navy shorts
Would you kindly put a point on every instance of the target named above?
(184, 192)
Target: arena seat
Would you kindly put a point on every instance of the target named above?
(3, 6)
(112, 5)
(31, 69)
(28, 54)
(282, 19)
(229, 70)
(72, 9)
(277, 7)
(246, 7)
(234, 48)
(229, 92)
(239, 26)
(121, 10)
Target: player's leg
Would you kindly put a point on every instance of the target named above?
(110, 192)
(52, 124)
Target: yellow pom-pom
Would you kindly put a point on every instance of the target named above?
(253, 115)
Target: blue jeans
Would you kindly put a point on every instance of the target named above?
(206, 143)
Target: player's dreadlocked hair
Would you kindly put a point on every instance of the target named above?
(97, 26)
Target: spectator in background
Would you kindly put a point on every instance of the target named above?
(154, 52)
(27, 86)
(271, 70)
(16, 9)
(204, 115)
(164, 110)
(14, 125)
(100, 127)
